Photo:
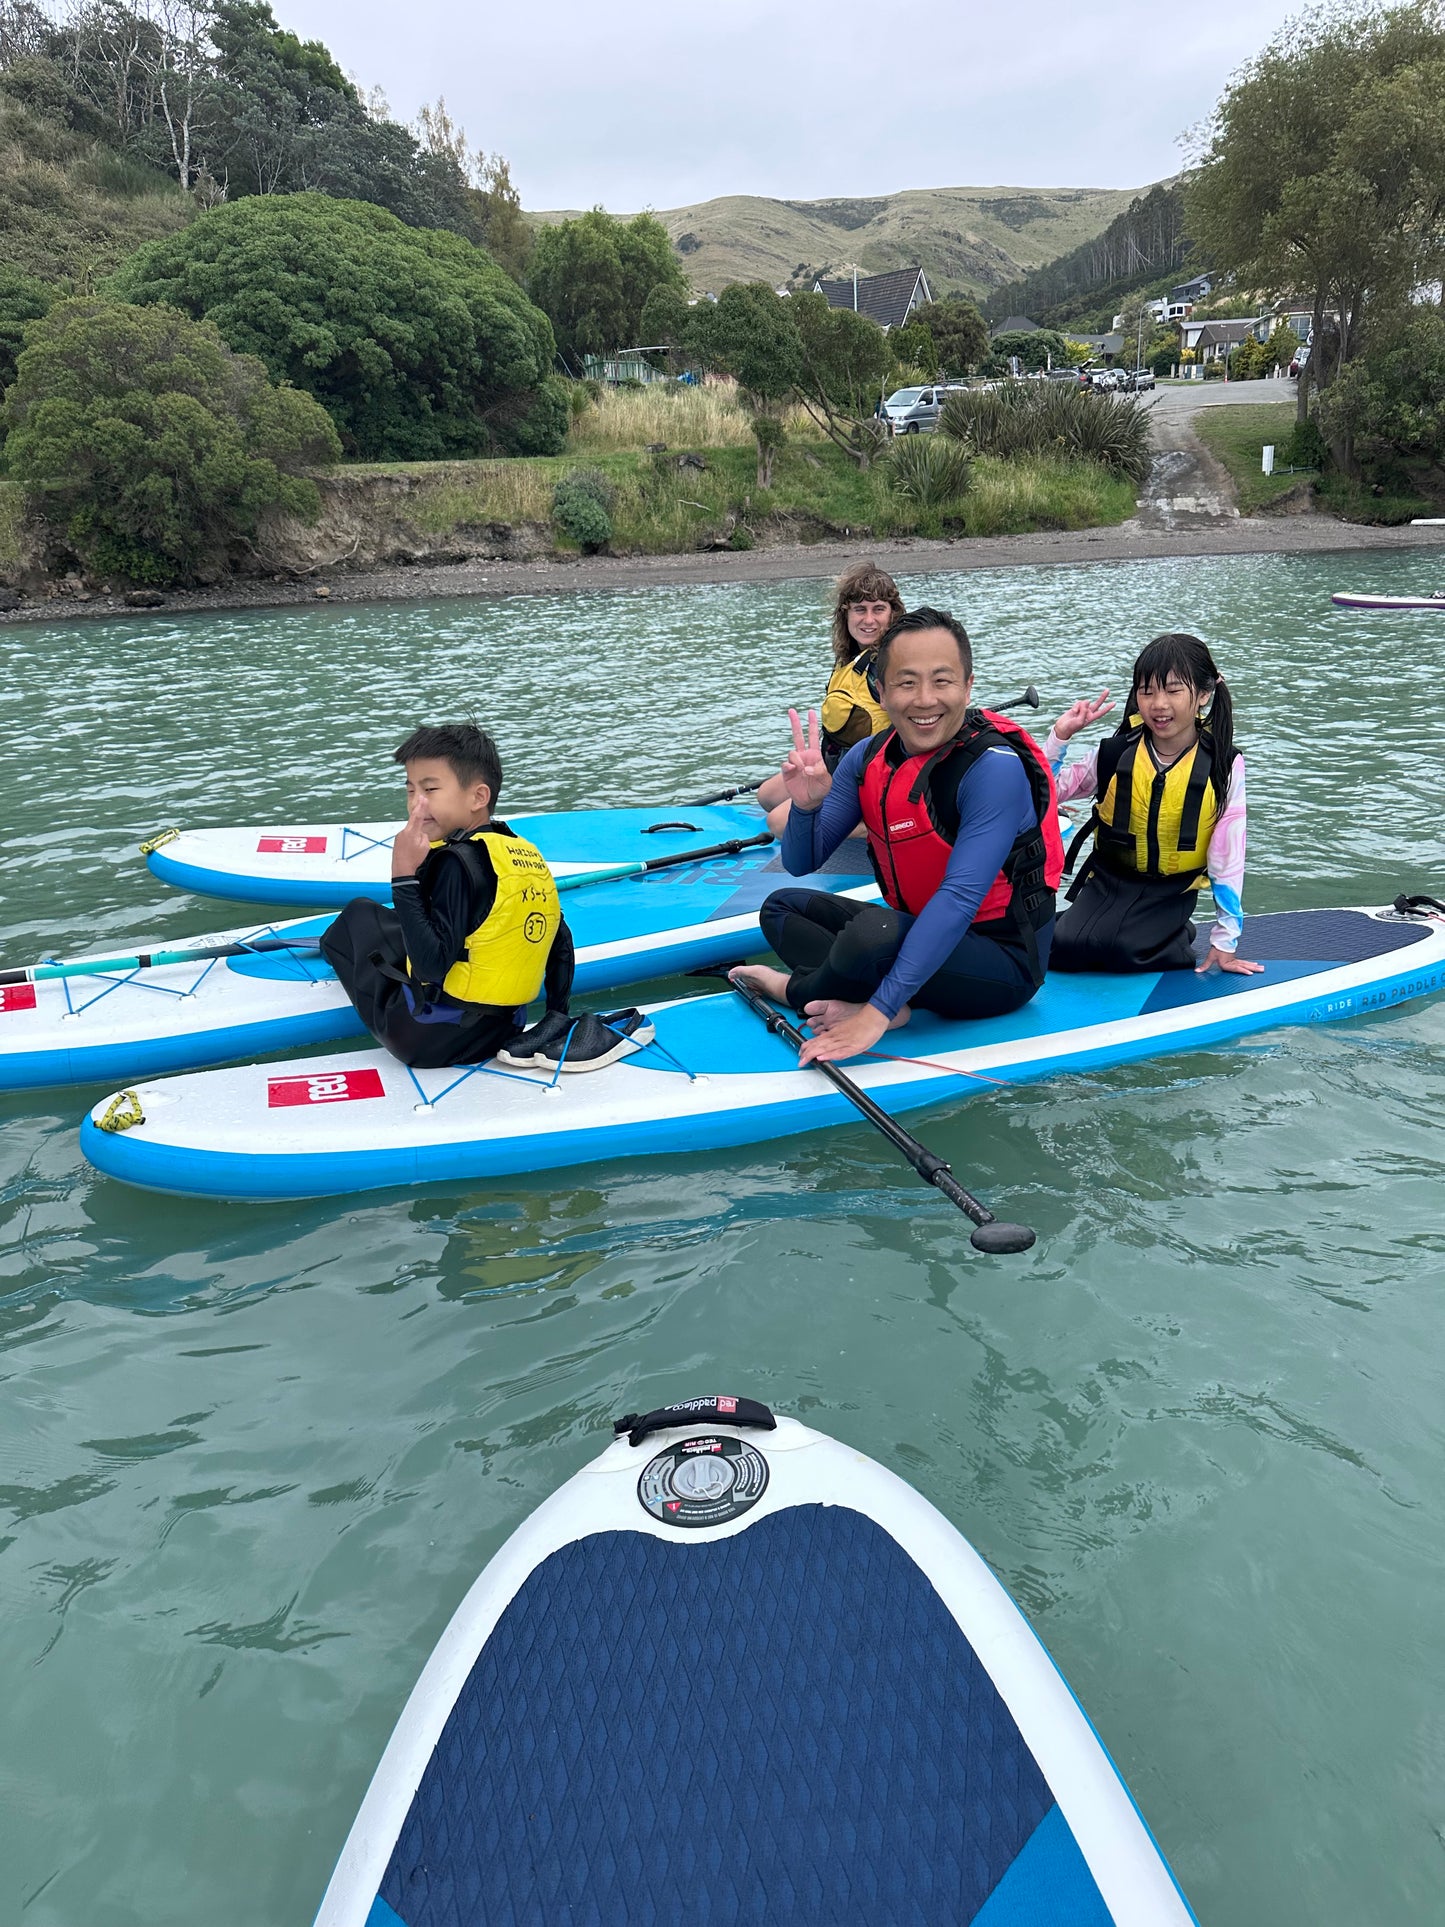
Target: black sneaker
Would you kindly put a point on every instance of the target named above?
(549, 1031)
(582, 1043)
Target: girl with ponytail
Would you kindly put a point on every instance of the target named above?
(1169, 813)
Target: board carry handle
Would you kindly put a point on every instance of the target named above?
(721, 1410)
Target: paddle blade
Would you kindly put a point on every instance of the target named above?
(997, 1238)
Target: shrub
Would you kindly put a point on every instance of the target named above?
(1303, 447)
(139, 436)
(928, 470)
(582, 505)
(415, 342)
(1030, 419)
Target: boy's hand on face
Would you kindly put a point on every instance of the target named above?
(412, 843)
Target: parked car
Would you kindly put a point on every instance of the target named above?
(1141, 378)
(912, 411)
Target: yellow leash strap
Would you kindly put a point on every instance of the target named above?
(156, 842)
(122, 1113)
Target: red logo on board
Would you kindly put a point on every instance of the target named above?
(291, 846)
(17, 997)
(324, 1087)
(727, 1405)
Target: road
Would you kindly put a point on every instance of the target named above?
(1187, 488)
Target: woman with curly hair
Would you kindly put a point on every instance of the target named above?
(866, 602)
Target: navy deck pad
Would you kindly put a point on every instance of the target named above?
(856, 1765)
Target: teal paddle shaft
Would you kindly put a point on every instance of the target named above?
(989, 1234)
(612, 871)
(44, 973)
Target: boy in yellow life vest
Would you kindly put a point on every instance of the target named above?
(1168, 816)
(477, 930)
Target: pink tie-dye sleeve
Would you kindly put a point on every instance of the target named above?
(1226, 864)
(1079, 778)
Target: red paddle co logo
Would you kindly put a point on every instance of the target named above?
(323, 1087)
(291, 846)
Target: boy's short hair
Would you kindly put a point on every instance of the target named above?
(468, 750)
(911, 625)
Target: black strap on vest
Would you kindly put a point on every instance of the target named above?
(1031, 904)
(1114, 838)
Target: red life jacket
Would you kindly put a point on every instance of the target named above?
(910, 811)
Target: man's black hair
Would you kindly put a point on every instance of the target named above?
(910, 625)
(468, 750)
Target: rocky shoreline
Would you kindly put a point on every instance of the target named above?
(1132, 541)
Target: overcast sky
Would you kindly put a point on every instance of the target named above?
(656, 105)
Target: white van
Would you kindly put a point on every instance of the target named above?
(908, 411)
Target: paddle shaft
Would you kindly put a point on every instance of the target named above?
(43, 973)
(613, 871)
(929, 1167)
(726, 796)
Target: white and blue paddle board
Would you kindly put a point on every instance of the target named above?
(320, 866)
(1345, 600)
(737, 1672)
(715, 1076)
(104, 1029)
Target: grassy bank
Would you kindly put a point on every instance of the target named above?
(1236, 438)
(12, 513)
(662, 507)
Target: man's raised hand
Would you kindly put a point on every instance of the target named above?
(805, 774)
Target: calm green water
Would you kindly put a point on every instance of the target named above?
(251, 1457)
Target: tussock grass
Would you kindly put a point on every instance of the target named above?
(707, 416)
(1013, 497)
(12, 517)
(1035, 418)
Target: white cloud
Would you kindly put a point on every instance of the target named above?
(658, 105)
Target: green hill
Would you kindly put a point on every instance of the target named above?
(970, 239)
(71, 208)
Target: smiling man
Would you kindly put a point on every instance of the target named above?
(962, 824)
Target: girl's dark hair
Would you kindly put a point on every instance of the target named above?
(1189, 659)
(864, 582)
(470, 752)
(910, 625)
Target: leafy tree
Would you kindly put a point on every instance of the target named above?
(749, 333)
(913, 346)
(959, 331)
(139, 435)
(415, 342)
(1324, 171)
(845, 360)
(1388, 405)
(592, 277)
(1033, 347)
(665, 318)
(23, 299)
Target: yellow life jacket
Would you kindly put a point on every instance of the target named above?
(850, 712)
(1156, 822)
(507, 953)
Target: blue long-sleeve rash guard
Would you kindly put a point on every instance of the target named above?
(995, 805)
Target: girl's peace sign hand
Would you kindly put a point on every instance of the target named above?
(1080, 714)
(805, 774)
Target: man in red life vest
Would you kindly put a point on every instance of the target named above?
(962, 824)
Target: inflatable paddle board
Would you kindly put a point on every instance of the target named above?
(715, 1076)
(320, 866)
(1390, 602)
(91, 1030)
(734, 1671)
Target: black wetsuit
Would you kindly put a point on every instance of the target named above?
(434, 913)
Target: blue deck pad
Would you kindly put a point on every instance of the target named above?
(783, 1725)
(711, 1039)
(279, 965)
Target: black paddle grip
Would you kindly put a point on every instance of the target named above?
(720, 1410)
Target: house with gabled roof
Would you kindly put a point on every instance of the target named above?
(888, 299)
